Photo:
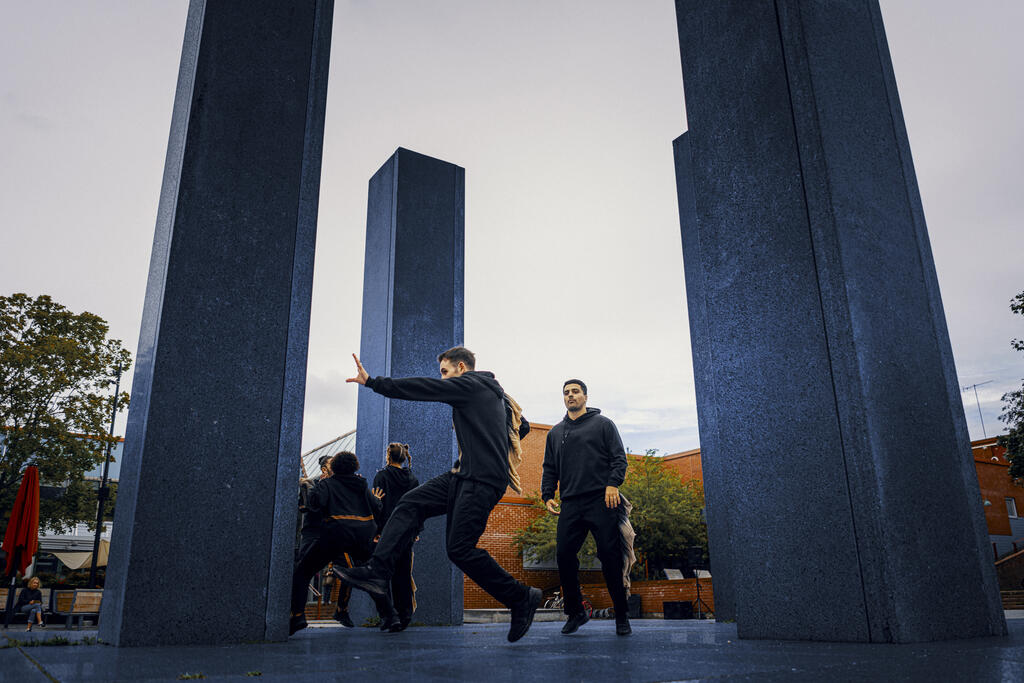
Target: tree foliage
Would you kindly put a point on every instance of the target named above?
(666, 511)
(1013, 411)
(57, 373)
(666, 517)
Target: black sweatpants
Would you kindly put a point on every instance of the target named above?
(578, 515)
(467, 504)
(334, 541)
(401, 585)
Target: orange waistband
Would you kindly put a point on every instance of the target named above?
(355, 517)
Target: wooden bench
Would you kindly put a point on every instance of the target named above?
(75, 605)
(47, 606)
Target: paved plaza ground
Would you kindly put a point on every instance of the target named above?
(658, 650)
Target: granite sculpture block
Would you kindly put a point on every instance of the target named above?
(843, 503)
(413, 310)
(204, 531)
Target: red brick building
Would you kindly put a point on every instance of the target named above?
(1003, 500)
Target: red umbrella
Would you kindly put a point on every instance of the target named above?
(22, 537)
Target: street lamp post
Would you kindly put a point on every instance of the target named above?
(101, 495)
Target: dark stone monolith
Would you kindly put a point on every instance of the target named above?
(843, 503)
(413, 310)
(204, 532)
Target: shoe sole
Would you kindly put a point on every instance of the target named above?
(534, 604)
(569, 633)
(361, 585)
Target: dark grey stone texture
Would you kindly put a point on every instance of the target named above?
(714, 460)
(413, 310)
(658, 650)
(205, 521)
(842, 499)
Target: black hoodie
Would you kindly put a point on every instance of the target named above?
(346, 499)
(582, 456)
(395, 481)
(478, 411)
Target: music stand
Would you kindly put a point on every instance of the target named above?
(695, 558)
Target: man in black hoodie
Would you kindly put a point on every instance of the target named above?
(347, 513)
(466, 494)
(583, 455)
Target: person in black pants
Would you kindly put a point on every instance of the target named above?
(393, 482)
(466, 494)
(584, 457)
(347, 512)
(310, 522)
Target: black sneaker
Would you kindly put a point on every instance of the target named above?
(622, 627)
(296, 624)
(522, 614)
(362, 578)
(573, 623)
(390, 625)
(342, 617)
(403, 623)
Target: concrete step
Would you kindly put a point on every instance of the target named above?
(496, 616)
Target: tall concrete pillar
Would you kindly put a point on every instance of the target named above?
(413, 310)
(843, 503)
(206, 507)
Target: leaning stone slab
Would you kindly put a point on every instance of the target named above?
(204, 532)
(843, 503)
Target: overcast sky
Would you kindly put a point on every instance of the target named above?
(562, 113)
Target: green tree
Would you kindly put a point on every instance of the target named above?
(666, 511)
(57, 372)
(1013, 411)
(666, 516)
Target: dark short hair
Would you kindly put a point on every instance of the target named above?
(325, 460)
(575, 381)
(344, 463)
(458, 354)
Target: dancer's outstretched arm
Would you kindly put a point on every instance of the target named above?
(452, 391)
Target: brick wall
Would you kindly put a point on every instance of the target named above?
(995, 485)
(653, 593)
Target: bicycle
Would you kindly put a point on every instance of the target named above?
(557, 601)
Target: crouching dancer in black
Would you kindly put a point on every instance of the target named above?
(583, 455)
(346, 510)
(394, 481)
(487, 430)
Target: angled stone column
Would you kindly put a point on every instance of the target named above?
(413, 310)
(842, 495)
(206, 507)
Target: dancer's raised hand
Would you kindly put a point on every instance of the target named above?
(361, 374)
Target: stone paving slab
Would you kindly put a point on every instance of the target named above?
(15, 667)
(657, 651)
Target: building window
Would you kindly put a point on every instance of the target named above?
(1011, 507)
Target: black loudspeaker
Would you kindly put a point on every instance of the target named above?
(682, 609)
(695, 557)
